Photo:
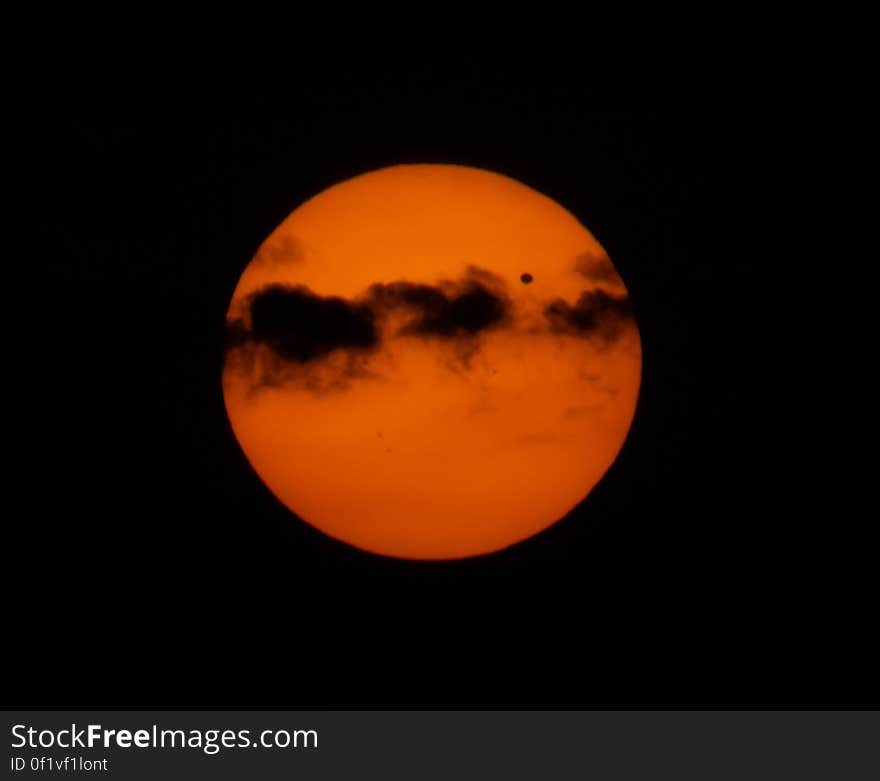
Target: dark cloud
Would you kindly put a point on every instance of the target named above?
(596, 313)
(596, 268)
(285, 333)
(278, 250)
(448, 310)
(300, 326)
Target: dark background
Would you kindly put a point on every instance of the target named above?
(150, 567)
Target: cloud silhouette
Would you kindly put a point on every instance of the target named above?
(286, 332)
(301, 326)
(296, 327)
(596, 313)
(278, 250)
(449, 310)
(596, 268)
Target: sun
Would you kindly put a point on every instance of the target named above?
(431, 361)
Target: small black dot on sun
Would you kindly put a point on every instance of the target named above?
(526, 278)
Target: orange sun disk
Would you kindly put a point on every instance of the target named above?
(431, 362)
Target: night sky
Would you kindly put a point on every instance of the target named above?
(153, 568)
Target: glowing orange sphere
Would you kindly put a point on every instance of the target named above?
(431, 361)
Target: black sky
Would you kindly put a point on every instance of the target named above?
(152, 566)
